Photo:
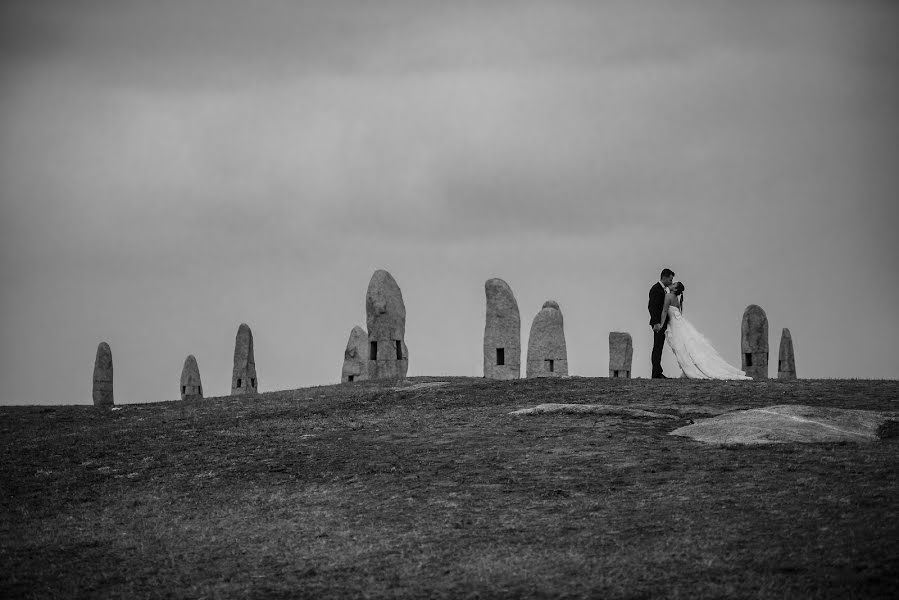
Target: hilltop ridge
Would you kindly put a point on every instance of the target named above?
(427, 486)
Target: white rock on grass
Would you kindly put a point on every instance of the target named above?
(787, 423)
(595, 409)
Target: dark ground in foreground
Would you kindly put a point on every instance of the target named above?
(364, 490)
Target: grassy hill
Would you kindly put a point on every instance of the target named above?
(405, 489)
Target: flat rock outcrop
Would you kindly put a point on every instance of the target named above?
(754, 342)
(355, 357)
(385, 312)
(591, 409)
(102, 389)
(243, 376)
(502, 332)
(547, 352)
(621, 354)
(191, 387)
(418, 386)
(787, 423)
(786, 362)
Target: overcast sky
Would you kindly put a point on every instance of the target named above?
(170, 169)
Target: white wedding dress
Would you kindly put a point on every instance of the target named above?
(695, 355)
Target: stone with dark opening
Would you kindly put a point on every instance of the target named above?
(102, 390)
(754, 342)
(355, 357)
(243, 376)
(191, 387)
(502, 332)
(621, 354)
(386, 320)
(786, 362)
(547, 352)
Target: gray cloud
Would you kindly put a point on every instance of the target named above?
(168, 170)
(232, 43)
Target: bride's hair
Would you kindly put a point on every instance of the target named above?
(679, 288)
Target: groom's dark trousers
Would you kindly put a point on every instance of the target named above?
(656, 304)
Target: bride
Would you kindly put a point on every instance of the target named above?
(695, 355)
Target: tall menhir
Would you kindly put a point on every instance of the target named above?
(243, 376)
(102, 390)
(754, 342)
(621, 354)
(786, 361)
(386, 319)
(355, 357)
(547, 351)
(502, 332)
(191, 386)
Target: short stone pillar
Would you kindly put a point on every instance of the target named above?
(385, 313)
(621, 354)
(786, 362)
(243, 376)
(102, 391)
(547, 353)
(355, 357)
(191, 387)
(754, 342)
(502, 332)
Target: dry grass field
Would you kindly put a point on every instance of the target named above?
(398, 489)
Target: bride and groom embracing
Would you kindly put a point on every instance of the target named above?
(695, 355)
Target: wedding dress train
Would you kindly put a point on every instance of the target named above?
(695, 355)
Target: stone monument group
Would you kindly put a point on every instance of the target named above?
(380, 352)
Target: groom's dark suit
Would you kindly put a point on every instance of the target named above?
(656, 304)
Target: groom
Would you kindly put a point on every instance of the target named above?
(656, 304)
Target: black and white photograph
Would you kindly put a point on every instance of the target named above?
(449, 299)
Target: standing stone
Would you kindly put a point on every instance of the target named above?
(621, 354)
(191, 388)
(243, 377)
(754, 342)
(502, 332)
(786, 362)
(355, 357)
(547, 353)
(386, 320)
(103, 376)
